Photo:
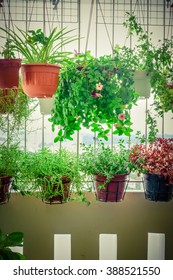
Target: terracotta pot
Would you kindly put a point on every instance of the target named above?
(113, 191)
(142, 83)
(39, 79)
(157, 188)
(59, 199)
(9, 73)
(5, 183)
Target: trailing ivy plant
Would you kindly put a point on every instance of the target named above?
(157, 60)
(95, 93)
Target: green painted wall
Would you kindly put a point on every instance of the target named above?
(131, 219)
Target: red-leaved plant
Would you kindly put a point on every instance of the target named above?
(156, 158)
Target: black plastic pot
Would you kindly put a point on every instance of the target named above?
(157, 188)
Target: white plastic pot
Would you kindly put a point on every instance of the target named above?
(46, 105)
(142, 83)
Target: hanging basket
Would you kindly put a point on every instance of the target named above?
(62, 197)
(157, 188)
(9, 73)
(39, 79)
(46, 105)
(142, 83)
(5, 183)
(114, 191)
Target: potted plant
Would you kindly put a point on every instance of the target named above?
(52, 176)
(7, 241)
(155, 61)
(95, 93)
(144, 51)
(109, 168)
(41, 55)
(9, 67)
(155, 161)
(9, 157)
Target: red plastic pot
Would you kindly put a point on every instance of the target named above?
(9, 73)
(112, 191)
(5, 183)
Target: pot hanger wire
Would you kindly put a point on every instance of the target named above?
(170, 23)
(89, 24)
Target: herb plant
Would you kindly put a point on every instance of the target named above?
(40, 172)
(105, 161)
(9, 159)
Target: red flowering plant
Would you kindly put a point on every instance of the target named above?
(95, 93)
(156, 158)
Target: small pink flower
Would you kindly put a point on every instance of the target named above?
(121, 116)
(99, 86)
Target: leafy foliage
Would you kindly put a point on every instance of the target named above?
(94, 92)
(156, 158)
(157, 60)
(104, 160)
(9, 158)
(10, 240)
(41, 171)
(15, 108)
(36, 47)
(7, 51)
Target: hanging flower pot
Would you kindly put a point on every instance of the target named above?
(40, 79)
(155, 161)
(5, 183)
(157, 188)
(112, 191)
(142, 83)
(42, 56)
(9, 73)
(46, 105)
(62, 193)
